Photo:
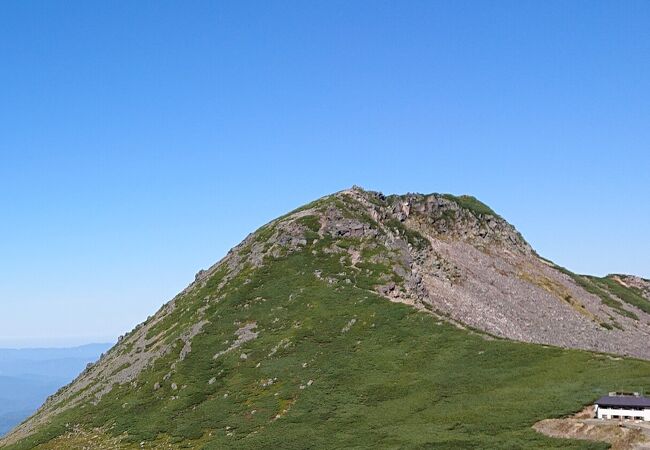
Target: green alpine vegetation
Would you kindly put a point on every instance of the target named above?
(292, 341)
(471, 203)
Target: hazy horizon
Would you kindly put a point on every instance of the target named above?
(48, 343)
(29, 375)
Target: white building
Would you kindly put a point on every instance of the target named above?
(623, 407)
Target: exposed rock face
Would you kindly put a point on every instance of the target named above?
(442, 217)
(451, 256)
(631, 281)
(478, 270)
(244, 334)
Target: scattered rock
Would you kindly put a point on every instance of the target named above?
(244, 334)
(348, 325)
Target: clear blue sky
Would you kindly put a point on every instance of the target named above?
(139, 141)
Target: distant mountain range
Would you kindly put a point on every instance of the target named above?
(28, 376)
(362, 320)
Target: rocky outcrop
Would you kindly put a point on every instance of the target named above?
(244, 334)
(630, 281)
(442, 216)
(478, 270)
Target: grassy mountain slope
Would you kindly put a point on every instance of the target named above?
(291, 341)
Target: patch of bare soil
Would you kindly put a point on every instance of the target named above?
(621, 435)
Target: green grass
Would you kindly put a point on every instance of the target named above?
(472, 204)
(593, 286)
(263, 233)
(311, 222)
(397, 379)
(627, 294)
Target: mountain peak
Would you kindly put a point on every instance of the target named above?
(320, 271)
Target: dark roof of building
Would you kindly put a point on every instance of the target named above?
(624, 400)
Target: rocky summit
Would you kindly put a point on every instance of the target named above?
(368, 321)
